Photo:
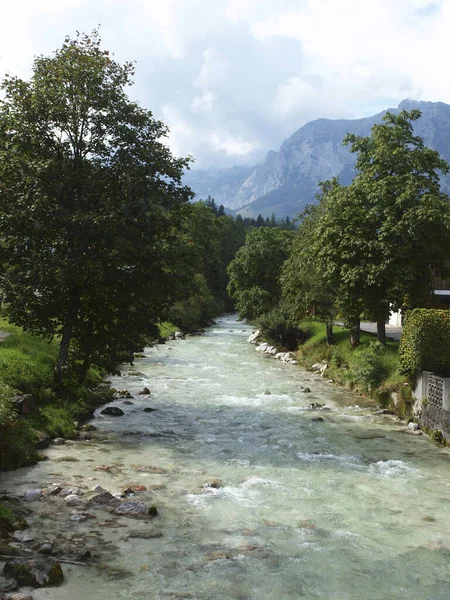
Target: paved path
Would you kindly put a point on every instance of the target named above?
(393, 332)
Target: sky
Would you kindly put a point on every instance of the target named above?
(233, 78)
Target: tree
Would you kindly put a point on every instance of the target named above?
(306, 291)
(86, 196)
(378, 237)
(254, 272)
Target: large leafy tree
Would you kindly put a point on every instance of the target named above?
(255, 271)
(87, 189)
(305, 290)
(378, 238)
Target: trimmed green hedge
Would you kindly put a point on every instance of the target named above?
(425, 342)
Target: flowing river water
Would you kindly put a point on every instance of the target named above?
(256, 501)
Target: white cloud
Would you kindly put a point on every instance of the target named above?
(233, 78)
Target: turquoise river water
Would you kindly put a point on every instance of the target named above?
(351, 508)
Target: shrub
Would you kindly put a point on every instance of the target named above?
(371, 369)
(425, 342)
(281, 330)
(16, 437)
(58, 421)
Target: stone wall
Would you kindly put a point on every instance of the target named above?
(433, 402)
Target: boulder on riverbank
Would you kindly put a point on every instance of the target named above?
(36, 572)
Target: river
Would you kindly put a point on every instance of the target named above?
(256, 501)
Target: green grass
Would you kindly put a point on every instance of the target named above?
(26, 361)
(27, 367)
(166, 329)
(369, 370)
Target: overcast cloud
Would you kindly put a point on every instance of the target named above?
(233, 78)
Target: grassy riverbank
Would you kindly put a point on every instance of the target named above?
(368, 370)
(26, 375)
(27, 366)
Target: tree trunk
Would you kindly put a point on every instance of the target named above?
(381, 329)
(66, 338)
(355, 333)
(63, 354)
(84, 370)
(329, 331)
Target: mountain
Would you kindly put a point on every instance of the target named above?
(288, 180)
(221, 184)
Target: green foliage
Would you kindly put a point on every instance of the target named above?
(207, 241)
(279, 328)
(86, 206)
(166, 328)
(425, 342)
(304, 285)
(370, 369)
(371, 243)
(58, 421)
(16, 437)
(27, 364)
(198, 309)
(255, 271)
(437, 437)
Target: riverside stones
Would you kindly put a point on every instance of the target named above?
(112, 411)
(32, 495)
(144, 392)
(36, 572)
(103, 499)
(252, 339)
(8, 585)
(132, 509)
(74, 500)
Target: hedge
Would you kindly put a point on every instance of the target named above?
(425, 342)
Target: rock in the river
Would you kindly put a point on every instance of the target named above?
(32, 495)
(214, 484)
(98, 489)
(46, 548)
(74, 500)
(8, 585)
(413, 426)
(58, 441)
(36, 572)
(179, 335)
(22, 536)
(144, 392)
(317, 420)
(113, 411)
(54, 489)
(103, 499)
(70, 491)
(151, 469)
(128, 402)
(149, 409)
(20, 596)
(132, 489)
(316, 405)
(132, 509)
(7, 550)
(79, 518)
(305, 390)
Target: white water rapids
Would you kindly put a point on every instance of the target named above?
(352, 508)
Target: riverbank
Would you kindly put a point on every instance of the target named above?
(369, 370)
